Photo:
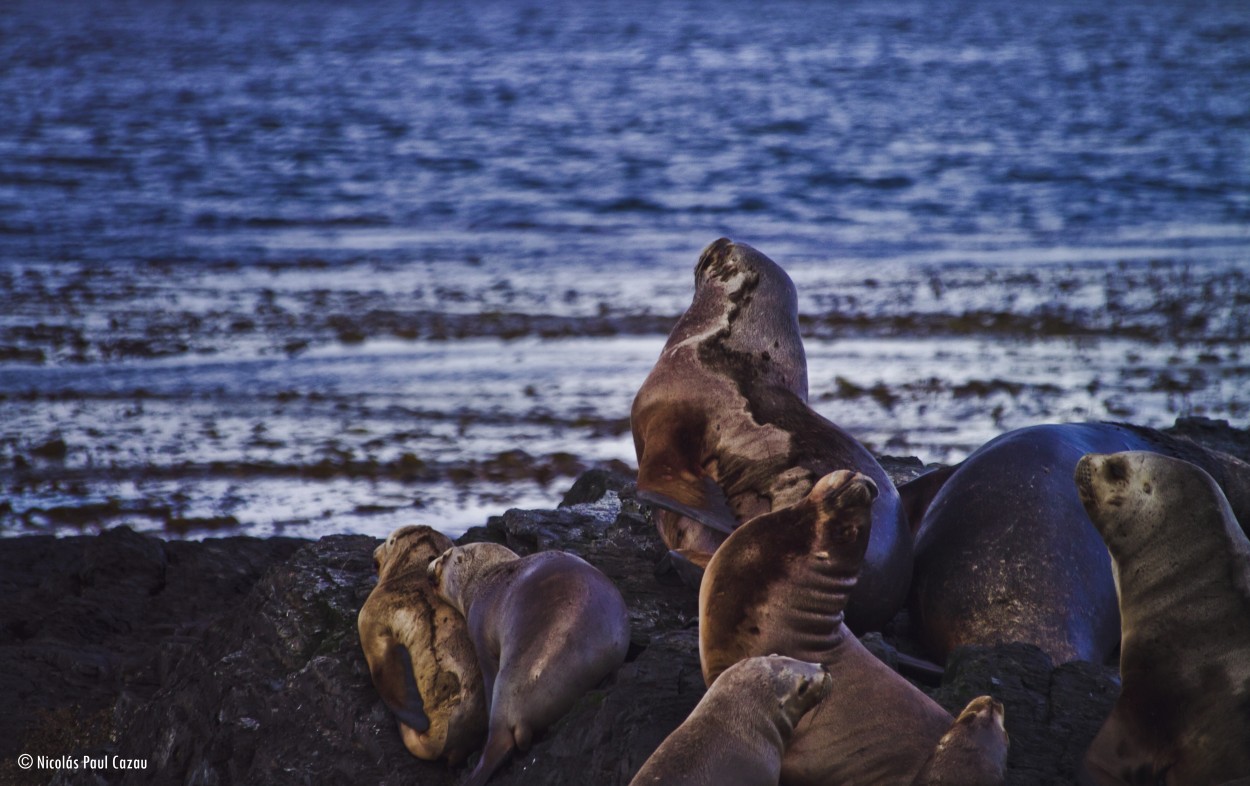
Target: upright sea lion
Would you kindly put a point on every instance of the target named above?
(973, 752)
(1005, 551)
(1182, 567)
(546, 629)
(723, 432)
(739, 730)
(780, 583)
(419, 653)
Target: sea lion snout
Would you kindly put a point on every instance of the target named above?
(819, 685)
(844, 489)
(983, 711)
(435, 571)
(715, 259)
(1084, 477)
(1102, 481)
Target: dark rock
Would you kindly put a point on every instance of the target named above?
(1215, 435)
(593, 484)
(88, 624)
(1052, 714)
(902, 469)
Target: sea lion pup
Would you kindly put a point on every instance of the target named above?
(739, 730)
(1182, 567)
(973, 752)
(546, 629)
(1006, 552)
(419, 653)
(780, 584)
(723, 432)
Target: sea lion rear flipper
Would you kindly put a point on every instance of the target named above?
(708, 504)
(398, 688)
(915, 495)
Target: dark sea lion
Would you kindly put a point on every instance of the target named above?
(419, 653)
(723, 432)
(546, 628)
(1005, 551)
(780, 584)
(973, 752)
(738, 732)
(1182, 566)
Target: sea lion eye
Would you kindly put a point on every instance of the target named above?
(1117, 469)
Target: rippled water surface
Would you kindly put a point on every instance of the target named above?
(308, 267)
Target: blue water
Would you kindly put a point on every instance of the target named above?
(459, 229)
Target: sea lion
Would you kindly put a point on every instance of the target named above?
(1182, 567)
(546, 629)
(1005, 551)
(738, 732)
(419, 653)
(780, 583)
(723, 432)
(973, 752)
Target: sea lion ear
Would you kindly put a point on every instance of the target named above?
(398, 688)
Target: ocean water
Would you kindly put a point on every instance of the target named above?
(304, 267)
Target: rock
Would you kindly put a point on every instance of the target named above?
(88, 624)
(1052, 714)
(1215, 435)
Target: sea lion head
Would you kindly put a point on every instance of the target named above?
(1128, 496)
(454, 570)
(984, 713)
(745, 303)
(798, 685)
(973, 751)
(737, 274)
(408, 548)
(781, 581)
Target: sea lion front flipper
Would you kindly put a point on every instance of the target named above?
(672, 476)
(915, 495)
(1115, 750)
(398, 688)
(707, 503)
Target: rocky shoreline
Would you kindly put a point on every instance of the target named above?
(236, 660)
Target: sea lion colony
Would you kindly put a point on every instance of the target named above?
(797, 540)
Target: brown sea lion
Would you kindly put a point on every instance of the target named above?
(1182, 567)
(546, 629)
(780, 584)
(419, 653)
(723, 432)
(738, 732)
(973, 752)
(1005, 552)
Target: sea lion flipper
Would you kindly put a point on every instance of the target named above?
(709, 506)
(398, 688)
(916, 494)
